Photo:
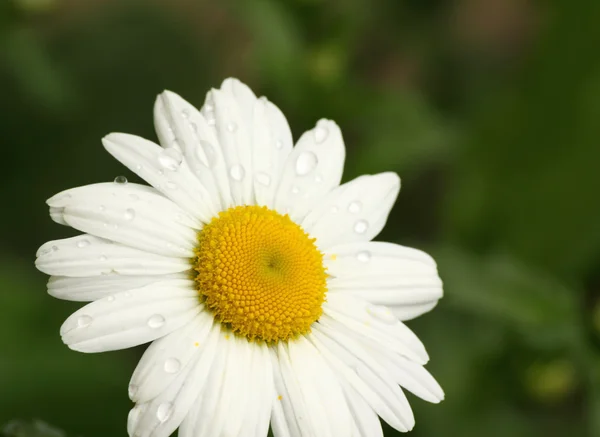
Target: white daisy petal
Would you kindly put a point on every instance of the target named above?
(231, 110)
(366, 376)
(136, 196)
(164, 359)
(311, 171)
(86, 255)
(90, 288)
(164, 169)
(365, 420)
(179, 124)
(133, 216)
(412, 376)
(264, 389)
(272, 143)
(206, 405)
(354, 212)
(290, 413)
(401, 278)
(375, 323)
(130, 318)
(163, 414)
(316, 398)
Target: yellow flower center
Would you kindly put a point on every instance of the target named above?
(260, 273)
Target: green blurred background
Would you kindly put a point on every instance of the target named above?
(488, 109)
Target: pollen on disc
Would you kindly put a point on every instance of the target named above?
(260, 273)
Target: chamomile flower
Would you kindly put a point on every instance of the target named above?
(252, 272)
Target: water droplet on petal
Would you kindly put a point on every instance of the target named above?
(102, 208)
(83, 243)
(320, 134)
(134, 197)
(110, 298)
(382, 313)
(318, 179)
(132, 390)
(306, 162)
(185, 113)
(231, 126)
(335, 209)
(194, 127)
(170, 158)
(138, 167)
(84, 321)
(363, 256)
(164, 411)
(171, 185)
(156, 321)
(122, 180)
(263, 179)
(211, 121)
(295, 190)
(129, 214)
(103, 258)
(361, 226)
(172, 365)
(279, 144)
(355, 207)
(237, 172)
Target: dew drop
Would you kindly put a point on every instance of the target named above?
(54, 248)
(83, 243)
(263, 179)
(318, 179)
(171, 185)
(237, 172)
(354, 207)
(231, 126)
(134, 197)
(185, 113)
(170, 158)
(84, 321)
(382, 313)
(129, 214)
(335, 209)
(127, 294)
(306, 162)
(361, 226)
(138, 167)
(156, 321)
(132, 390)
(211, 121)
(320, 134)
(172, 365)
(295, 189)
(102, 208)
(164, 411)
(194, 127)
(363, 256)
(279, 144)
(122, 180)
(110, 298)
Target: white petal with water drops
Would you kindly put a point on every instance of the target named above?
(180, 185)
(314, 167)
(178, 122)
(355, 211)
(131, 317)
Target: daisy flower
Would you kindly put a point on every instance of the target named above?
(252, 272)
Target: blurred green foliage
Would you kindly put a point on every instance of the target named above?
(488, 109)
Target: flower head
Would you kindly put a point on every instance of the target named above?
(252, 272)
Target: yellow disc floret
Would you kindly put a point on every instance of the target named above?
(260, 273)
